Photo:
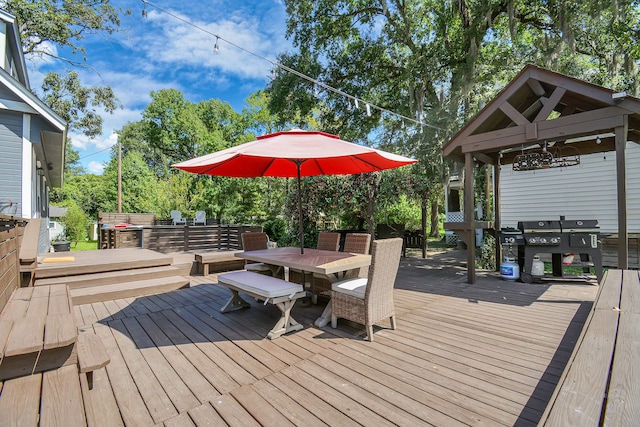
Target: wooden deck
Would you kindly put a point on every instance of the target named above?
(484, 354)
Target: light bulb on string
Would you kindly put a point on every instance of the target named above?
(368, 110)
(216, 48)
(356, 100)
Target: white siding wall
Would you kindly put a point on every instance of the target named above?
(587, 191)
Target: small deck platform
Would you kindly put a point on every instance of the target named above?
(86, 262)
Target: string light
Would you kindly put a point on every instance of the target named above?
(216, 48)
(303, 76)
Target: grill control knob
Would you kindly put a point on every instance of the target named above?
(532, 240)
(543, 240)
(555, 240)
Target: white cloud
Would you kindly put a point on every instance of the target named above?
(245, 41)
(96, 168)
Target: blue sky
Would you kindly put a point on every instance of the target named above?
(159, 52)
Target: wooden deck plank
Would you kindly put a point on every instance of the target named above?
(60, 330)
(100, 403)
(190, 366)
(20, 401)
(26, 336)
(336, 398)
(220, 370)
(310, 400)
(372, 393)
(205, 415)
(246, 360)
(181, 420)
(89, 316)
(440, 402)
(272, 355)
(587, 372)
(183, 399)
(39, 302)
(62, 403)
(155, 397)
(294, 410)
(130, 402)
(233, 413)
(17, 305)
(260, 408)
(623, 397)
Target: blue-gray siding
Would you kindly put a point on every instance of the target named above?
(11, 158)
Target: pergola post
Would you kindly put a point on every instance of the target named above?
(469, 191)
(621, 177)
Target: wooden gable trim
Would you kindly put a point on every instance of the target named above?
(549, 104)
(513, 114)
(588, 90)
(567, 126)
(487, 111)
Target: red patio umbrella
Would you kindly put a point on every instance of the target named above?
(294, 153)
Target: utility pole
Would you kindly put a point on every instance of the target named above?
(119, 176)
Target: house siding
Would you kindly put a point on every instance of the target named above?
(11, 159)
(587, 191)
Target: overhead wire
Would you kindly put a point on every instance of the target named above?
(315, 82)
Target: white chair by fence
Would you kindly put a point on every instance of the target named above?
(201, 218)
(176, 218)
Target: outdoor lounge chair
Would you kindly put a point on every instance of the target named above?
(201, 218)
(254, 241)
(176, 218)
(355, 243)
(368, 301)
(327, 241)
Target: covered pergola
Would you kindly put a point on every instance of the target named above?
(542, 109)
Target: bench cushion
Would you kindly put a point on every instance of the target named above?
(269, 287)
(353, 287)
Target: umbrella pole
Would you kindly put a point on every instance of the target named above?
(298, 164)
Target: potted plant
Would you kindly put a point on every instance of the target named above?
(61, 244)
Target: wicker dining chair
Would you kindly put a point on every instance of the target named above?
(327, 241)
(255, 241)
(355, 243)
(368, 301)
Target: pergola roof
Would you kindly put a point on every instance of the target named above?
(540, 106)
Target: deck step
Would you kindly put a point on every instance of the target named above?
(128, 289)
(112, 277)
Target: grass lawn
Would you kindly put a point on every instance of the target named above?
(87, 245)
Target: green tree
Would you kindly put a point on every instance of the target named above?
(65, 24)
(75, 222)
(438, 63)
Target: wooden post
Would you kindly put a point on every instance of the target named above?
(496, 213)
(469, 217)
(621, 174)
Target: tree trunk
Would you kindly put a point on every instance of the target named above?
(435, 221)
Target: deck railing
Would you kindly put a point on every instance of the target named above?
(175, 238)
(11, 231)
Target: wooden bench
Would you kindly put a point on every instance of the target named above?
(272, 290)
(601, 382)
(29, 251)
(220, 260)
(37, 331)
(92, 355)
(43, 358)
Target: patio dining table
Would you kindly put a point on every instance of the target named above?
(332, 264)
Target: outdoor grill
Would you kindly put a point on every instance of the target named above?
(558, 238)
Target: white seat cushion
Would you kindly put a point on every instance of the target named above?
(257, 266)
(267, 286)
(353, 287)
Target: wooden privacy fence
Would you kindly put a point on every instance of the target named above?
(11, 231)
(175, 238)
(146, 231)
